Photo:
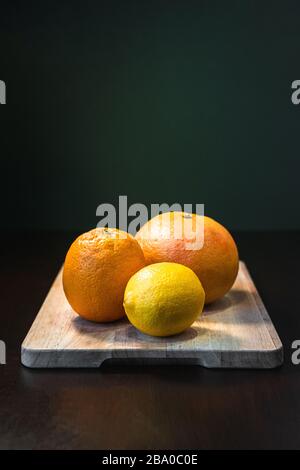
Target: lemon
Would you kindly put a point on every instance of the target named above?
(163, 299)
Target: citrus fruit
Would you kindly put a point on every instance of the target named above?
(97, 268)
(163, 299)
(167, 237)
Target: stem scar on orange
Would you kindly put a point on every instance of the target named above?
(166, 238)
(97, 267)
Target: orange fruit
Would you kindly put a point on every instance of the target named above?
(168, 237)
(97, 268)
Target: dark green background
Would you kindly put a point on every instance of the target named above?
(169, 101)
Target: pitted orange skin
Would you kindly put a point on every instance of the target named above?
(216, 263)
(97, 268)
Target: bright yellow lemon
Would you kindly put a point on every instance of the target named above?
(163, 299)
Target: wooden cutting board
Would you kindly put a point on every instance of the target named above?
(234, 332)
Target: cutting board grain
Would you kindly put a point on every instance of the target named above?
(234, 332)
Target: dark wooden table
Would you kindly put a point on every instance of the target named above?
(152, 407)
